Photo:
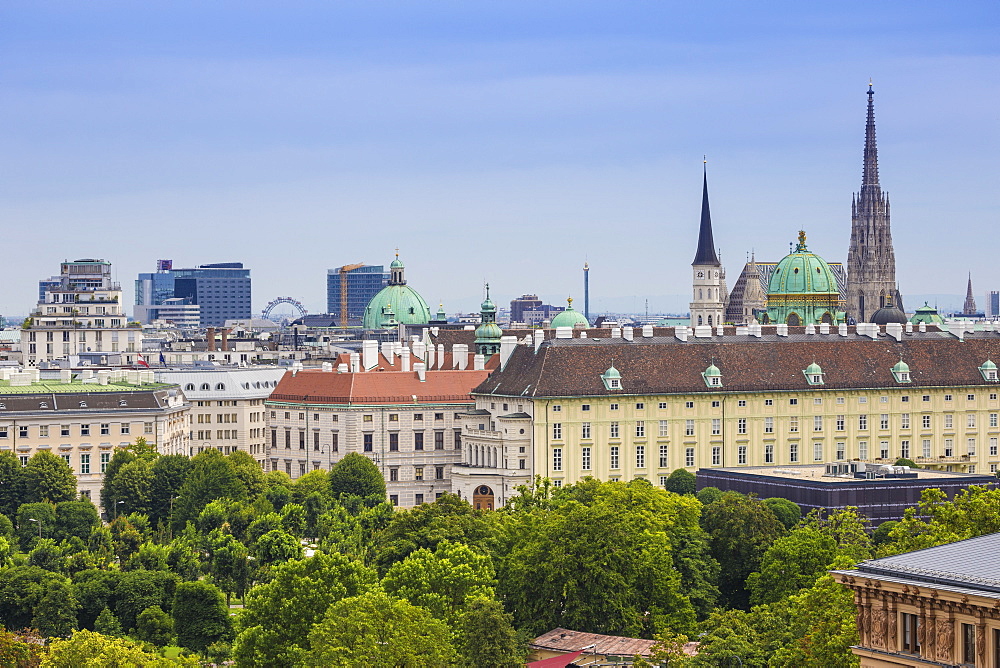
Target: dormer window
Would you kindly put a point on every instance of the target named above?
(901, 372)
(43, 404)
(206, 387)
(612, 379)
(122, 402)
(989, 371)
(712, 376)
(189, 387)
(83, 404)
(220, 386)
(814, 374)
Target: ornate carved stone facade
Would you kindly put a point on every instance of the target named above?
(934, 607)
(871, 262)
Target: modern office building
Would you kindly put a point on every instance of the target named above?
(84, 417)
(353, 285)
(221, 291)
(992, 304)
(80, 313)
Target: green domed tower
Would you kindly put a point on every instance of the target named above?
(488, 333)
(569, 318)
(396, 303)
(803, 290)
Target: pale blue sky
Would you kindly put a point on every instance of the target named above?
(505, 141)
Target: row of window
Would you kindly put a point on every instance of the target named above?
(884, 452)
(367, 417)
(24, 431)
(418, 473)
(84, 461)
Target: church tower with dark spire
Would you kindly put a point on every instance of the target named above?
(969, 308)
(871, 262)
(708, 298)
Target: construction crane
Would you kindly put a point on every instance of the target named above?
(343, 290)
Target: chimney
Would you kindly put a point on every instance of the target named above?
(564, 332)
(342, 367)
(871, 330)
(225, 339)
(742, 330)
(419, 349)
(647, 331)
(210, 337)
(539, 337)
(65, 375)
(507, 345)
(355, 363)
(440, 355)
(478, 362)
(842, 329)
(429, 357)
(824, 328)
(387, 351)
(327, 367)
(895, 330)
(369, 354)
(720, 330)
(755, 330)
(460, 356)
(703, 331)
(421, 370)
(627, 333)
(102, 377)
(922, 327)
(810, 329)
(616, 332)
(681, 332)
(404, 359)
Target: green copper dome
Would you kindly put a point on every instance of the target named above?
(901, 367)
(814, 369)
(396, 303)
(988, 364)
(802, 272)
(927, 314)
(488, 333)
(569, 318)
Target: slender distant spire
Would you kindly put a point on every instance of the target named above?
(970, 302)
(706, 254)
(870, 175)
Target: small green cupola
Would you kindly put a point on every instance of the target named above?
(989, 371)
(712, 376)
(901, 372)
(612, 378)
(488, 333)
(814, 374)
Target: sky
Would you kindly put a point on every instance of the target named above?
(500, 142)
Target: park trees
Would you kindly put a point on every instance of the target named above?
(200, 616)
(356, 475)
(47, 477)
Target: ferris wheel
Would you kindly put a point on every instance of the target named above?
(294, 303)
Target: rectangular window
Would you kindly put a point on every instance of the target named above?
(65, 458)
(368, 442)
(585, 458)
(883, 449)
(817, 423)
(439, 440)
(664, 457)
(640, 429)
(910, 625)
(689, 457)
(968, 642)
(904, 449)
(288, 439)
(741, 426)
(840, 400)
(335, 446)
(925, 447)
(147, 428)
(741, 454)
(22, 431)
(949, 447)
(458, 439)
(689, 427)
(394, 499)
(769, 402)
(883, 400)
(85, 463)
(970, 421)
(614, 430)
(840, 423)
(971, 446)
(557, 430)
(688, 404)
(993, 447)
(741, 403)
(793, 402)
(793, 424)
(43, 431)
(84, 430)
(126, 428)
(769, 453)
(585, 407)
(840, 450)
(716, 426)
(663, 481)
(970, 397)
(640, 456)
(817, 402)
(316, 441)
(302, 439)
(640, 406)
(793, 452)
(585, 430)
(904, 421)
(418, 440)
(716, 455)
(862, 400)
(418, 472)
(769, 425)
(818, 451)
(105, 429)
(556, 409)
(716, 404)
(993, 420)
(393, 441)
(663, 429)
(394, 474)
(418, 417)
(925, 421)
(663, 404)
(883, 422)
(614, 456)
(439, 473)
(557, 459)
(949, 421)
(613, 407)
(105, 460)
(862, 422)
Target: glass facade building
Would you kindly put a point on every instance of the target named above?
(221, 290)
(363, 283)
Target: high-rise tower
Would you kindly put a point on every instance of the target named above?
(871, 262)
(707, 295)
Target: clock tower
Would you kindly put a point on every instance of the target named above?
(708, 295)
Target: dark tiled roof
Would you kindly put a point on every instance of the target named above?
(565, 640)
(968, 563)
(82, 402)
(659, 365)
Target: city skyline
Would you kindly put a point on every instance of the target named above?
(505, 143)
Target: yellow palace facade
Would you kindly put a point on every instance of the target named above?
(618, 409)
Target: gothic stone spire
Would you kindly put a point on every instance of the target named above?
(970, 302)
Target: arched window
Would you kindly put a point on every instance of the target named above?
(220, 386)
(699, 320)
(206, 386)
(710, 321)
(189, 386)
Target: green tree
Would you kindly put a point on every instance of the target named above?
(21, 650)
(315, 481)
(120, 457)
(229, 562)
(154, 626)
(902, 461)
(276, 547)
(708, 495)
(278, 616)
(47, 477)
(740, 529)
(247, 470)
(169, 474)
(486, 638)
(95, 589)
(138, 590)
(314, 506)
(356, 475)
(21, 590)
(376, 630)
(937, 520)
(107, 624)
(262, 525)
(34, 519)
(681, 481)
(200, 616)
(442, 581)
(86, 648)
(787, 512)
(293, 519)
(49, 555)
(212, 477)
(11, 483)
(55, 613)
(131, 487)
(75, 518)
(791, 563)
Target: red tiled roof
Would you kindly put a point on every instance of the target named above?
(565, 640)
(375, 387)
(560, 661)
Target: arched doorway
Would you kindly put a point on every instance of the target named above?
(827, 318)
(482, 498)
(793, 320)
